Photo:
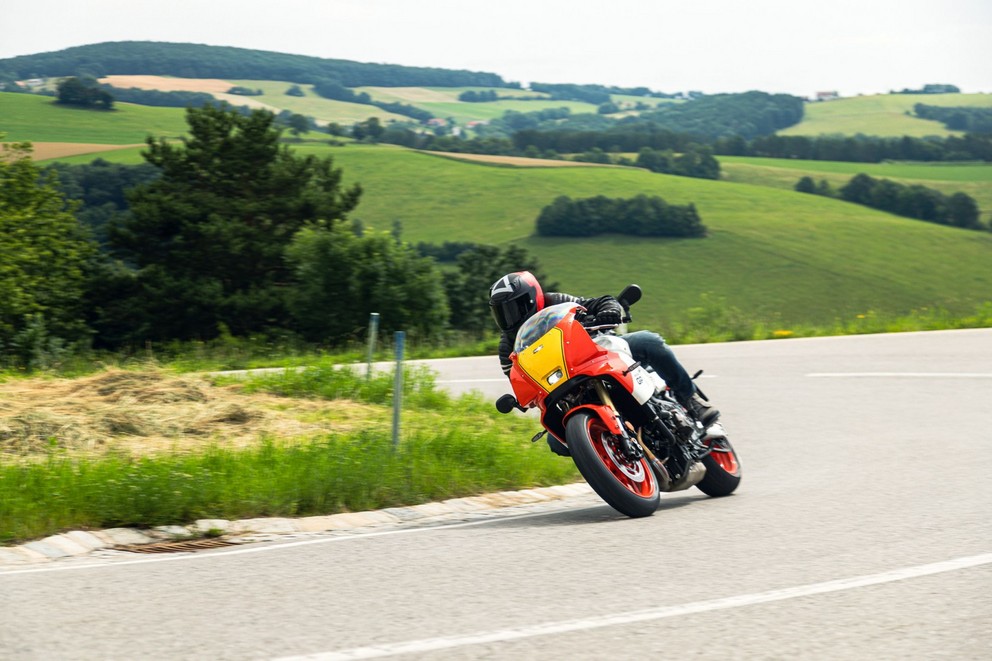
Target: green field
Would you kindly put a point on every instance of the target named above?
(311, 105)
(783, 256)
(40, 119)
(886, 115)
(443, 102)
(949, 178)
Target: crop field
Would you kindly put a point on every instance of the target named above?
(882, 115)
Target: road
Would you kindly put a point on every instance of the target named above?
(861, 530)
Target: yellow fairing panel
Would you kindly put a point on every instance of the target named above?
(544, 360)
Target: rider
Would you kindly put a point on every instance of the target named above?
(517, 296)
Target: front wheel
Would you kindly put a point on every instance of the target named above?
(723, 470)
(628, 486)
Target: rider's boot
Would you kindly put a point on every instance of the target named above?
(701, 410)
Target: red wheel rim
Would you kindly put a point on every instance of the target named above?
(635, 476)
(724, 456)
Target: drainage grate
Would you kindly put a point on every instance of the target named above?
(176, 547)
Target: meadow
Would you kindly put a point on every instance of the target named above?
(975, 179)
(40, 119)
(888, 115)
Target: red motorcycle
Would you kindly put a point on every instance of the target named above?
(629, 437)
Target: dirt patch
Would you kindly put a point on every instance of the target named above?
(168, 84)
(146, 412)
(45, 150)
(519, 161)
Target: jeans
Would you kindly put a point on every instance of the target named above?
(649, 348)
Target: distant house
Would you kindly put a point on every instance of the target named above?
(827, 96)
(476, 122)
(437, 121)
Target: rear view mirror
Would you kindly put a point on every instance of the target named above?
(630, 295)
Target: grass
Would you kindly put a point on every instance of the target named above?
(448, 448)
(881, 115)
(40, 119)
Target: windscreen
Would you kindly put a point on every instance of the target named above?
(535, 327)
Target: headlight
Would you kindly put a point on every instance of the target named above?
(554, 377)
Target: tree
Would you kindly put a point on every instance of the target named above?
(298, 124)
(207, 238)
(806, 185)
(341, 277)
(963, 211)
(45, 259)
(76, 92)
(477, 269)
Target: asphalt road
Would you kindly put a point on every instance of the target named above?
(861, 530)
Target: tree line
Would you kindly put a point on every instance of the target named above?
(860, 148)
(638, 216)
(202, 61)
(335, 90)
(910, 201)
(973, 120)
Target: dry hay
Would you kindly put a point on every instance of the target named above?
(41, 151)
(168, 84)
(521, 161)
(145, 412)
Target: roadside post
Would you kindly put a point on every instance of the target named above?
(398, 387)
(373, 334)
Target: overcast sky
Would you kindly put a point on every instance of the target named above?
(793, 46)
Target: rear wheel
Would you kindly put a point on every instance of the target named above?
(627, 485)
(723, 470)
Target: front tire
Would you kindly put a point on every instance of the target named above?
(627, 486)
(723, 470)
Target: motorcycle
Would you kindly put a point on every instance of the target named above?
(623, 427)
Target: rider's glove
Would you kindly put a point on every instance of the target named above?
(608, 318)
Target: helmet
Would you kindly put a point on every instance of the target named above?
(515, 297)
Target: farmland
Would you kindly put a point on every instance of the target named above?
(783, 257)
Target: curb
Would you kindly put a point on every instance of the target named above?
(84, 542)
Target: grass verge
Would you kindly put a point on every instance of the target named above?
(449, 447)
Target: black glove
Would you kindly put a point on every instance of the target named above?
(608, 318)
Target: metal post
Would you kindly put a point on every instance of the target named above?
(398, 388)
(373, 333)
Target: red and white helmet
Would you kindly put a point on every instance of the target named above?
(514, 298)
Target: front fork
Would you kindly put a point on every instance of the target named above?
(634, 445)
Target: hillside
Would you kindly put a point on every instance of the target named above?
(201, 61)
(776, 255)
(887, 115)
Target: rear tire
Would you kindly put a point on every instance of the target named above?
(723, 470)
(627, 486)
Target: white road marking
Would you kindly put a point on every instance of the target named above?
(650, 614)
(261, 547)
(913, 375)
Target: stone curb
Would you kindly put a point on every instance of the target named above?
(82, 542)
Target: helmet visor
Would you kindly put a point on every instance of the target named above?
(510, 313)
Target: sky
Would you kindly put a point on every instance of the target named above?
(781, 46)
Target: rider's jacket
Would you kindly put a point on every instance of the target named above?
(593, 306)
